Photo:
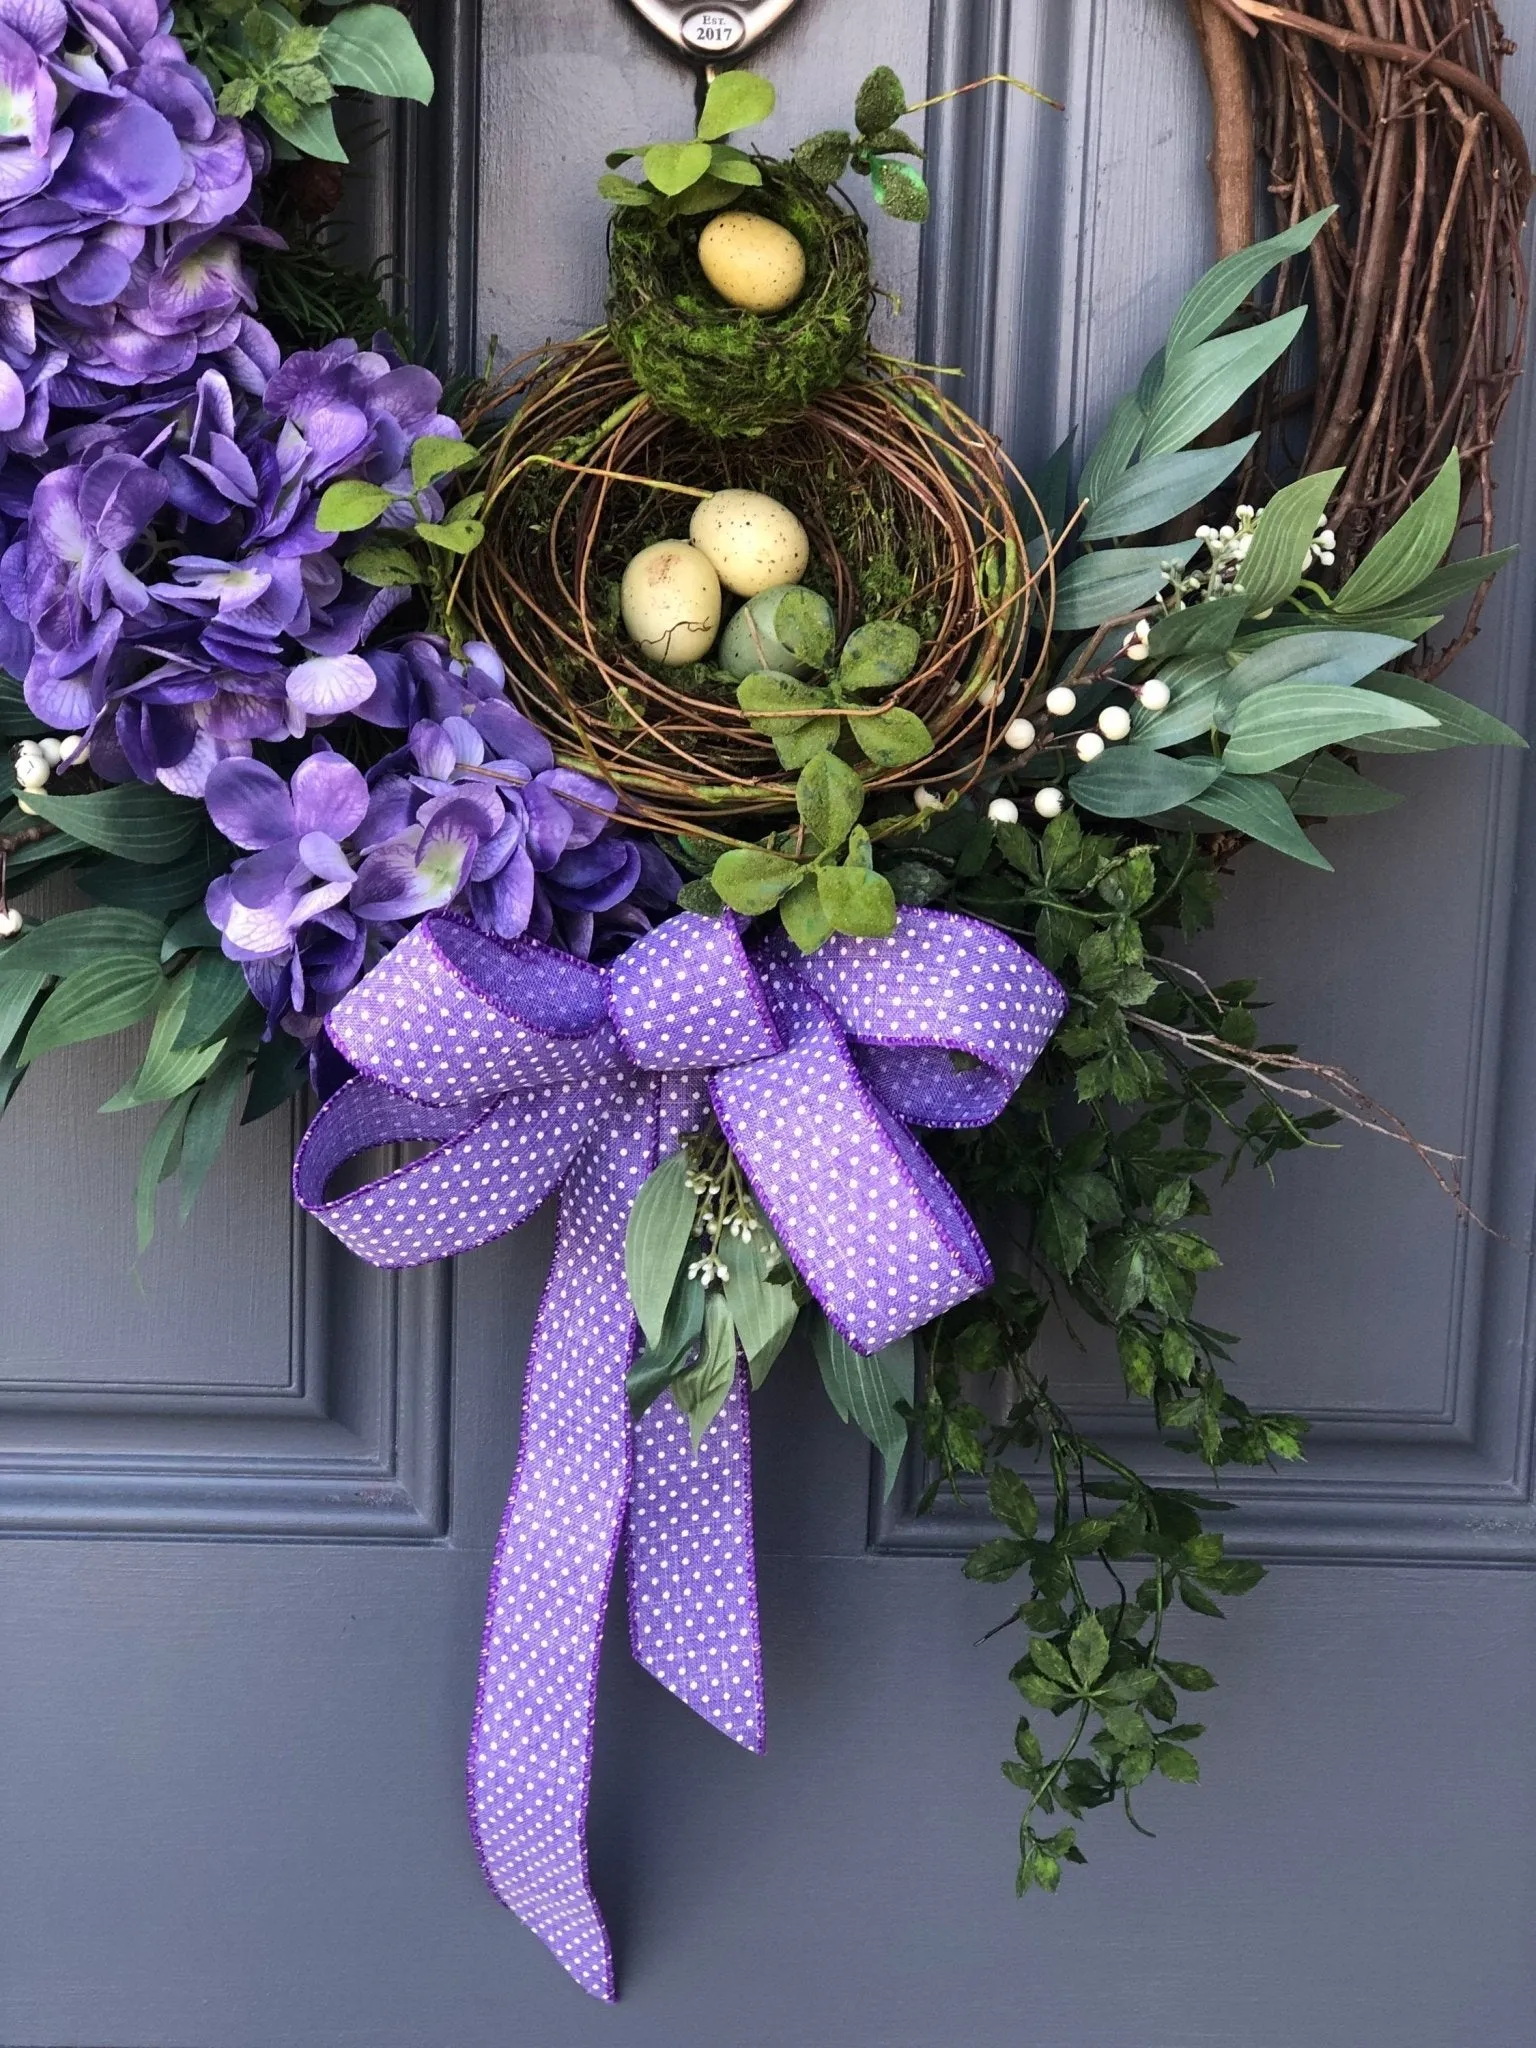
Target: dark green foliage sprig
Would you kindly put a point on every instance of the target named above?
(876, 151)
(1104, 1155)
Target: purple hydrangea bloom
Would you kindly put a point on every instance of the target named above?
(337, 863)
(250, 631)
(122, 208)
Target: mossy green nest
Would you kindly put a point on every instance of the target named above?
(723, 370)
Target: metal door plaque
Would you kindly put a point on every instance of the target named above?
(706, 34)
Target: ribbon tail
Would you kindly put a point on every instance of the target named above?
(530, 1754)
(693, 1616)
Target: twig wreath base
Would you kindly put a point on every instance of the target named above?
(1393, 112)
(909, 505)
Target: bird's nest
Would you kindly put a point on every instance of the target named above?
(909, 506)
(723, 370)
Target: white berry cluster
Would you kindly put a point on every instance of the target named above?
(726, 1210)
(37, 760)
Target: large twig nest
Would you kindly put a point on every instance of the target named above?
(909, 508)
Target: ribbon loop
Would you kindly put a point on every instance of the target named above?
(532, 1071)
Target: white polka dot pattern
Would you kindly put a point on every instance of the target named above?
(531, 1071)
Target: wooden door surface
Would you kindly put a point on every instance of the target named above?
(249, 1488)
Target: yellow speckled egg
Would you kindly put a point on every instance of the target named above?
(751, 262)
(670, 598)
(753, 540)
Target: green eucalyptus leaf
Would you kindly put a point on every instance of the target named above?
(1158, 489)
(311, 130)
(1113, 583)
(1326, 787)
(93, 1001)
(656, 1240)
(764, 1311)
(374, 49)
(138, 820)
(1287, 720)
(1254, 806)
(864, 1389)
(660, 1363)
(1458, 723)
(830, 798)
(894, 738)
(752, 880)
(207, 1123)
(1411, 548)
(1195, 685)
(349, 506)
(1114, 450)
(1207, 380)
(165, 1071)
(81, 937)
(1217, 296)
(1132, 781)
(1282, 540)
(217, 993)
(702, 1391)
(1335, 659)
(878, 656)
(161, 1155)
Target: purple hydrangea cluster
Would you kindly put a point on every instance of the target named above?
(169, 589)
(166, 592)
(471, 814)
(123, 203)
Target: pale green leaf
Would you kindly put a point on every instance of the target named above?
(349, 506)
(1288, 720)
(438, 455)
(107, 996)
(1133, 781)
(735, 99)
(1113, 583)
(1160, 488)
(167, 1072)
(1206, 381)
(1255, 807)
(1411, 548)
(660, 1227)
(864, 1389)
(1224, 287)
(763, 1310)
(374, 49)
(702, 1391)
(138, 820)
(1277, 558)
(829, 797)
(1458, 723)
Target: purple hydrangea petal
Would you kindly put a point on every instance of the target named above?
(330, 685)
(249, 803)
(329, 796)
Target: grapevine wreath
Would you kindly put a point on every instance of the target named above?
(642, 777)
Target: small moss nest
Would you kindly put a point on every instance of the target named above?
(726, 371)
(909, 511)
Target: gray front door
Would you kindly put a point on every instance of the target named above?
(249, 1489)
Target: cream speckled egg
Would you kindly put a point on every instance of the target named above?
(751, 262)
(753, 541)
(670, 598)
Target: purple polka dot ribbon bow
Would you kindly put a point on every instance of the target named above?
(534, 1071)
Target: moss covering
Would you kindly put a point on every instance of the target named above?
(723, 370)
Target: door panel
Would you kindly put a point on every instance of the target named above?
(250, 1488)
